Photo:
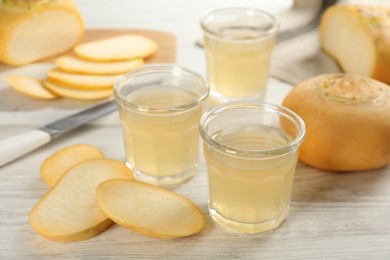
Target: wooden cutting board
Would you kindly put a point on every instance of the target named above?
(17, 109)
(166, 52)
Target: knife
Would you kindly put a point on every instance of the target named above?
(18, 145)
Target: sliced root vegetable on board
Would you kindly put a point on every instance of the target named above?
(358, 38)
(78, 78)
(149, 210)
(69, 211)
(30, 86)
(77, 93)
(60, 162)
(117, 48)
(75, 64)
(30, 33)
(347, 121)
(82, 81)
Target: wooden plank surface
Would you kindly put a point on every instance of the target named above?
(332, 216)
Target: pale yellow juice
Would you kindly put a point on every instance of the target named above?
(250, 194)
(238, 69)
(161, 145)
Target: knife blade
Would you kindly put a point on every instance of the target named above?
(18, 145)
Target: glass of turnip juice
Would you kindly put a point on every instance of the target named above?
(160, 107)
(238, 44)
(251, 150)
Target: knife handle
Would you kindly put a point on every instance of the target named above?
(18, 145)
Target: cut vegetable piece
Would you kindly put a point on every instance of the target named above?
(69, 211)
(30, 86)
(74, 64)
(82, 81)
(30, 35)
(78, 94)
(358, 38)
(149, 210)
(118, 48)
(60, 162)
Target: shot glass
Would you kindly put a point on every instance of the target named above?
(238, 44)
(160, 107)
(251, 150)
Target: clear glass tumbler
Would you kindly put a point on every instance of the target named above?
(160, 107)
(238, 44)
(251, 150)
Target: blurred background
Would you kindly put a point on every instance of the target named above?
(181, 18)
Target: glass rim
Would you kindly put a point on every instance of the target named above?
(270, 32)
(161, 68)
(281, 110)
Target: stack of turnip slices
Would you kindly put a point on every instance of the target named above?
(91, 72)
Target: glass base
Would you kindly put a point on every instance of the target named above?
(250, 228)
(163, 180)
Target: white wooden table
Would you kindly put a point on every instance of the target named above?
(333, 216)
